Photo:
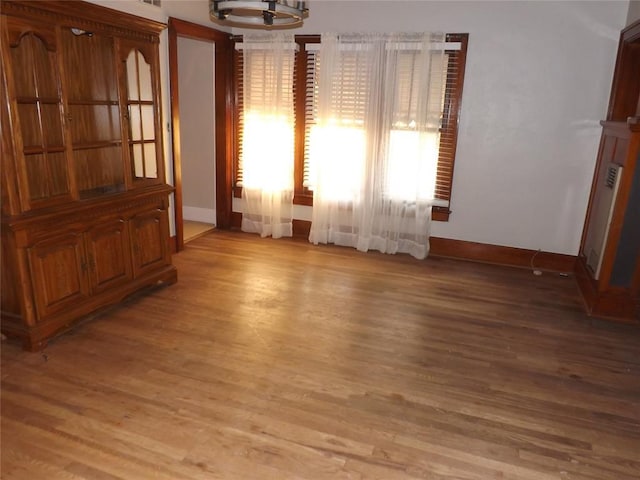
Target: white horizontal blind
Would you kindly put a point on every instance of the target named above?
(409, 84)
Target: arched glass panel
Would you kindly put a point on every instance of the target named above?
(141, 117)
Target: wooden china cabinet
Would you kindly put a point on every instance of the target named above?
(608, 266)
(84, 198)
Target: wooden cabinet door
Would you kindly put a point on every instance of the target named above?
(108, 255)
(35, 93)
(91, 83)
(140, 90)
(149, 240)
(59, 273)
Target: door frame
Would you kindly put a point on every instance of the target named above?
(223, 111)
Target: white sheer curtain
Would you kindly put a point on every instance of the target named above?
(268, 136)
(374, 148)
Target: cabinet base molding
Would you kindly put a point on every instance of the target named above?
(35, 338)
(64, 265)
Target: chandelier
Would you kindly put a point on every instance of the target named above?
(258, 13)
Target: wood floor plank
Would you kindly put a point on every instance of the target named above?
(277, 359)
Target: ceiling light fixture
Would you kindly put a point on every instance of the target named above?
(258, 13)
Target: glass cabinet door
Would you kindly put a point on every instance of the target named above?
(35, 82)
(142, 114)
(93, 112)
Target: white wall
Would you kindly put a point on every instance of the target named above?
(537, 84)
(197, 127)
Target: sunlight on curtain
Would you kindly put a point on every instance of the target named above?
(340, 151)
(268, 152)
(411, 152)
(374, 148)
(268, 137)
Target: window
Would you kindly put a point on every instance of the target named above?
(307, 68)
(267, 143)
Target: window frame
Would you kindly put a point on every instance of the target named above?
(448, 130)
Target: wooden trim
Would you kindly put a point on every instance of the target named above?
(175, 134)
(451, 122)
(622, 87)
(612, 304)
(301, 228)
(105, 203)
(440, 214)
(476, 252)
(87, 16)
(12, 202)
(223, 95)
(197, 32)
(224, 134)
(500, 255)
(236, 220)
(173, 245)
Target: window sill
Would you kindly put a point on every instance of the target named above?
(438, 213)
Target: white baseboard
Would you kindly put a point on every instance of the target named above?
(197, 214)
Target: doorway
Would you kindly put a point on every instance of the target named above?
(199, 81)
(196, 71)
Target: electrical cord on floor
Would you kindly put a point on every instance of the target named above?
(534, 269)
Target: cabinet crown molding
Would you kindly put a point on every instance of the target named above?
(86, 16)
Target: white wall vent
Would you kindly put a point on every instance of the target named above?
(600, 222)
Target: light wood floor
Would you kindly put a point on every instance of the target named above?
(275, 359)
(192, 229)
